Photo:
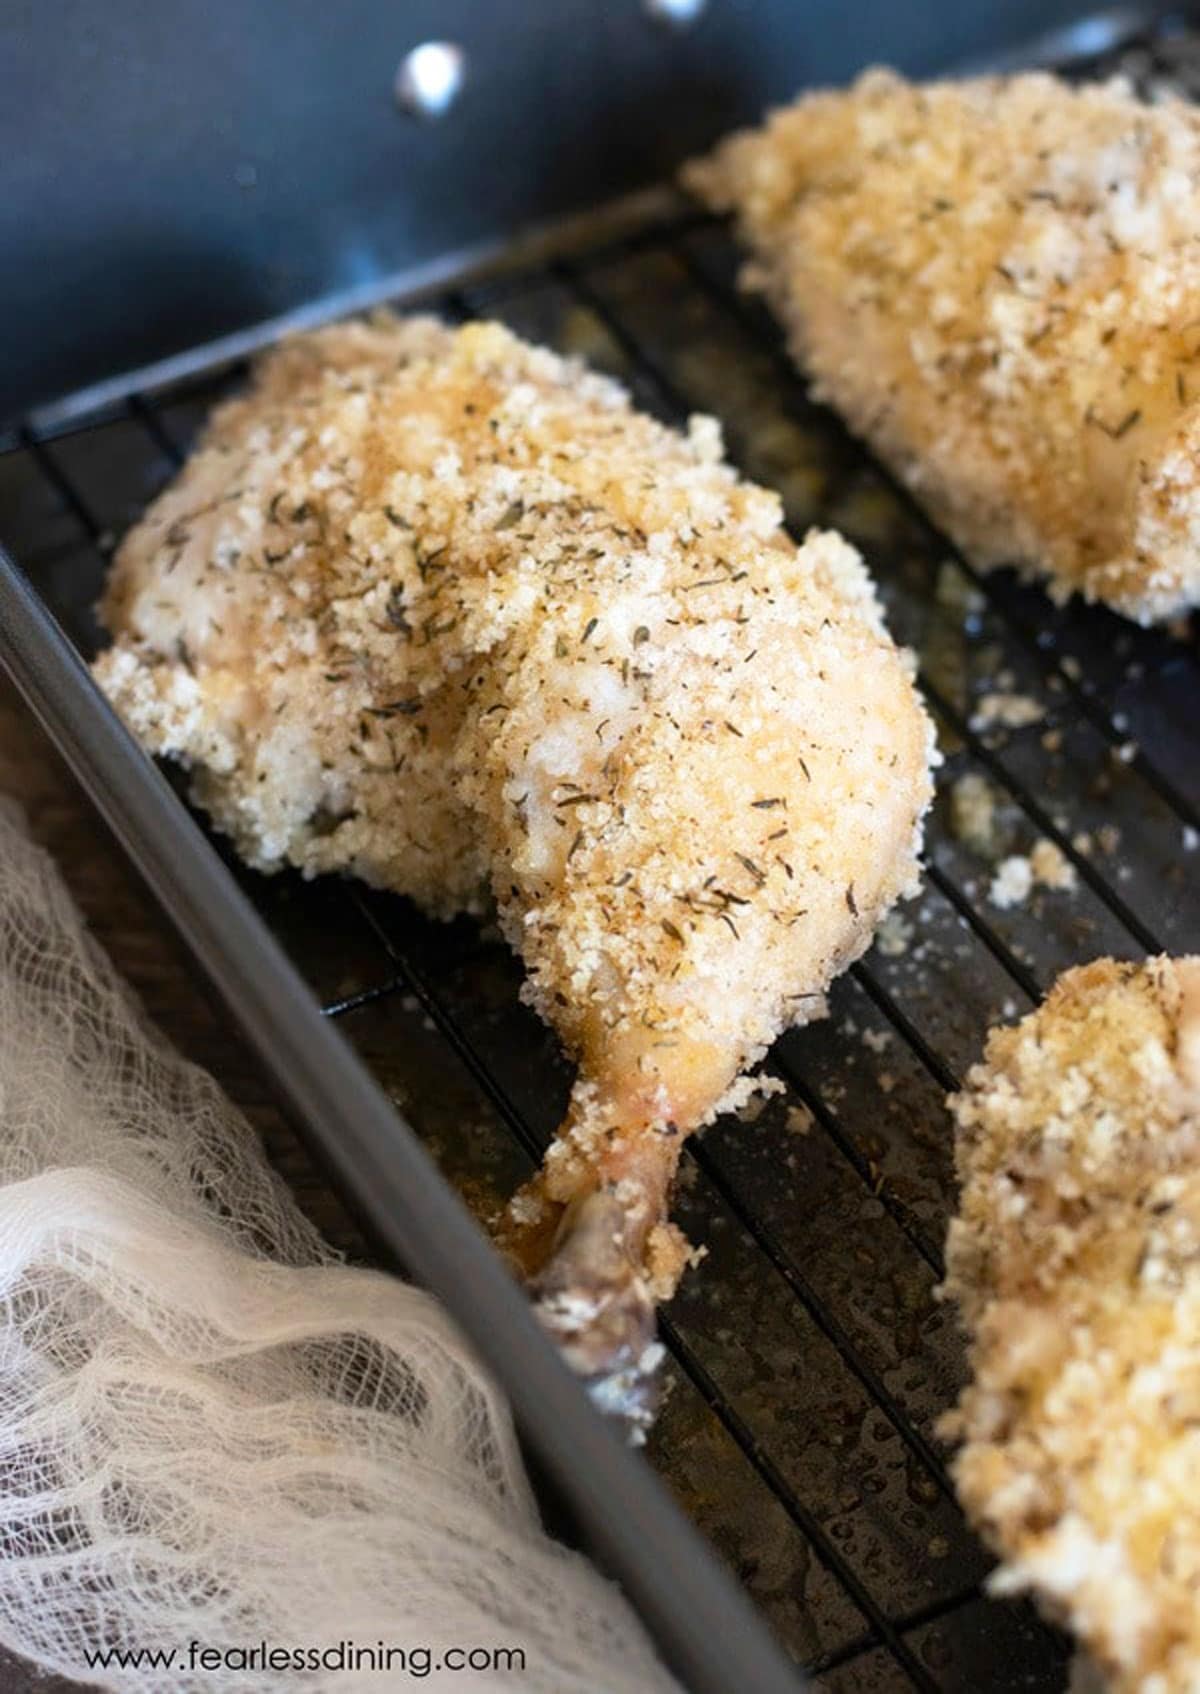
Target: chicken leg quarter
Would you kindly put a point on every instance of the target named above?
(997, 284)
(444, 611)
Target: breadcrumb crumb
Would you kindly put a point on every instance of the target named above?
(799, 1120)
(1012, 883)
(894, 934)
(1046, 866)
(973, 813)
(1006, 711)
(1050, 866)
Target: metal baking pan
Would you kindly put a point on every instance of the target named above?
(808, 1357)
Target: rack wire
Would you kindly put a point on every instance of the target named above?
(809, 1356)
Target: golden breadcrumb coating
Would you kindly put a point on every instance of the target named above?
(442, 609)
(997, 282)
(1076, 1262)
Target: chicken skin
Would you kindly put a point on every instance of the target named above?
(997, 283)
(1076, 1263)
(442, 610)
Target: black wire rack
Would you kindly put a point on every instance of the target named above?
(809, 1356)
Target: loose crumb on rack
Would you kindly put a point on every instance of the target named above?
(1046, 866)
(973, 813)
(799, 1120)
(894, 934)
(1012, 883)
(1006, 711)
(1051, 868)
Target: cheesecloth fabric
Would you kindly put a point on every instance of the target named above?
(213, 1431)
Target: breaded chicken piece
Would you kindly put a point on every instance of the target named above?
(1075, 1260)
(443, 610)
(997, 283)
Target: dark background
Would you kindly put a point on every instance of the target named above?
(169, 172)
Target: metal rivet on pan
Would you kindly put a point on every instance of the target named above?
(677, 13)
(430, 79)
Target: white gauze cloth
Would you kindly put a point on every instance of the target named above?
(210, 1429)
